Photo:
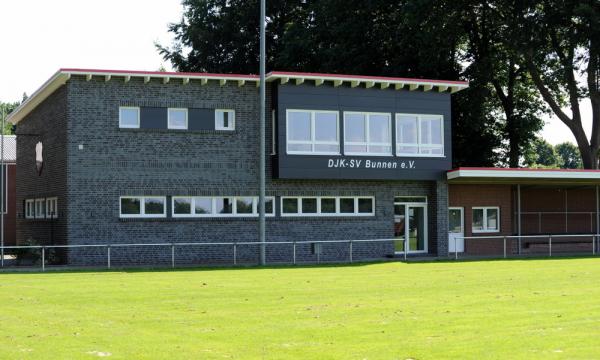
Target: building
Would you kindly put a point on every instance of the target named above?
(9, 195)
(153, 157)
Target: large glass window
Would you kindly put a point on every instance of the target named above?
(419, 135)
(51, 208)
(486, 219)
(129, 117)
(178, 118)
(312, 132)
(367, 133)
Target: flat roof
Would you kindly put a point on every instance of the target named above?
(522, 175)
(63, 75)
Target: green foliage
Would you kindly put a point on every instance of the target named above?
(570, 158)
(542, 155)
(5, 109)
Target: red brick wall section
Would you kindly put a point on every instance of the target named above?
(476, 195)
(10, 219)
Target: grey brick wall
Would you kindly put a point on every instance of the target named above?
(48, 124)
(113, 162)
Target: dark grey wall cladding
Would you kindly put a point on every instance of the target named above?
(157, 118)
(153, 118)
(48, 124)
(345, 98)
(201, 119)
(105, 162)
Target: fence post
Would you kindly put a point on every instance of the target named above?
(505, 247)
(43, 258)
(234, 253)
(350, 250)
(550, 245)
(108, 255)
(519, 245)
(455, 249)
(405, 248)
(172, 256)
(294, 253)
(593, 244)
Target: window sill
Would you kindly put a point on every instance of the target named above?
(484, 231)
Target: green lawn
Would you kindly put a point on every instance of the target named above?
(490, 309)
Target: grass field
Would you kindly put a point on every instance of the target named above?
(489, 309)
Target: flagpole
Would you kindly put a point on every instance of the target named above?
(261, 193)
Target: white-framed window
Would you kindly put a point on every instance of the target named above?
(129, 117)
(312, 132)
(224, 119)
(29, 209)
(367, 133)
(177, 118)
(419, 135)
(486, 219)
(142, 206)
(327, 206)
(220, 206)
(40, 208)
(51, 208)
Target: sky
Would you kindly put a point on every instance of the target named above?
(41, 36)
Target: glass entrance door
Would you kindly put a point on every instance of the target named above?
(410, 223)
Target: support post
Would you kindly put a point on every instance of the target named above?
(43, 258)
(108, 256)
(519, 215)
(504, 238)
(294, 253)
(405, 248)
(455, 250)
(235, 254)
(550, 245)
(261, 192)
(173, 256)
(350, 250)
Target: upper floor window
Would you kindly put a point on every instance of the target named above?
(327, 206)
(220, 206)
(367, 133)
(312, 132)
(224, 119)
(178, 118)
(40, 208)
(129, 117)
(29, 209)
(419, 135)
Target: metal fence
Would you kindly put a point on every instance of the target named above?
(293, 255)
(526, 245)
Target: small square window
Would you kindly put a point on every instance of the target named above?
(129, 117)
(269, 206)
(202, 206)
(182, 206)
(244, 205)
(224, 206)
(365, 205)
(154, 206)
(131, 206)
(309, 205)
(347, 205)
(289, 206)
(51, 208)
(328, 206)
(224, 119)
(178, 118)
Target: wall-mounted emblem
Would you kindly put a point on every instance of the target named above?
(39, 160)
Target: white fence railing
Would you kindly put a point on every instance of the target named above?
(173, 260)
(545, 239)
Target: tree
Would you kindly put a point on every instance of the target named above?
(5, 109)
(569, 156)
(514, 97)
(407, 38)
(559, 42)
(542, 155)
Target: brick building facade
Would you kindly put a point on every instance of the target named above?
(195, 146)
